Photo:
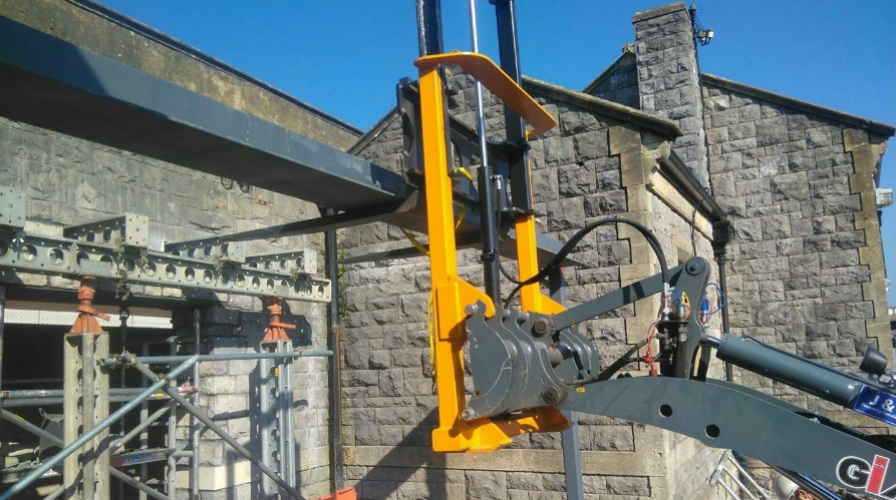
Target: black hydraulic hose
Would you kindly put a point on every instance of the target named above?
(558, 259)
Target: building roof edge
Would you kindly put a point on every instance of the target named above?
(664, 127)
(876, 127)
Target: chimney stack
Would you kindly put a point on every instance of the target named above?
(669, 78)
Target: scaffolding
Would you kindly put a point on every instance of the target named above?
(114, 253)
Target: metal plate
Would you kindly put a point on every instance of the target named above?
(876, 404)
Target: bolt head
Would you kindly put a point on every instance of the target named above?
(542, 326)
(552, 395)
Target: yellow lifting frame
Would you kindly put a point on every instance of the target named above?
(451, 294)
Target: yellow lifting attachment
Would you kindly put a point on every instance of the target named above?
(451, 293)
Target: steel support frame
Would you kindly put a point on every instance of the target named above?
(277, 428)
(37, 431)
(107, 249)
(85, 406)
(99, 428)
(144, 414)
(2, 328)
(212, 426)
(171, 469)
(276, 360)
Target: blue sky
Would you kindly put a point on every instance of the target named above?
(345, 56)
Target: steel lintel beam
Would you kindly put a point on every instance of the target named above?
(55, 84)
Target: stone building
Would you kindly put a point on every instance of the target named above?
(652, 138)
(796, 182)
(68, 180)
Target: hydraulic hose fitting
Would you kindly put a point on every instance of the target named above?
(666, 299)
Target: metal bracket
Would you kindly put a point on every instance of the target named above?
(213, 249)
(12, 208)
(299, 261)
(130, 230)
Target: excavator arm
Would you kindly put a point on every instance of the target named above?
(529, 362)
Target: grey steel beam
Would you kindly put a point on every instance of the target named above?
(55, 84)
(126, 230)
(12, 207)
(2, 323)
(268, 428)
(287, 415)
(58, 85)
(194, 424)
(58, 393)
(27, 402)
(171, 462)
(214, 249)
(299, 261)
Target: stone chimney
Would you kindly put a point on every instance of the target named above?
(669, 78)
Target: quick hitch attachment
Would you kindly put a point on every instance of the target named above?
(519, 362)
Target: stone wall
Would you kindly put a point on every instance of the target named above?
(619, 82)
(669, 80)
(589, 167)
(797, 182)
(800, 275)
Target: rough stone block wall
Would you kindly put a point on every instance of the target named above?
(388, 392)
(797, 275)
(70, 181)
(668, 78)
(620, 82)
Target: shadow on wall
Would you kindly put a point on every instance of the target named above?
(391, 473)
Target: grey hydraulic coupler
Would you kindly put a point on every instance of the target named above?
(816, 379)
